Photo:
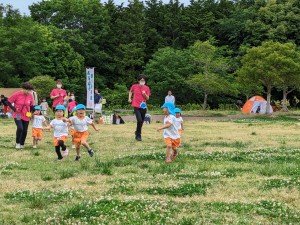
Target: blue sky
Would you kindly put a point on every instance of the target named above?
(22, 5)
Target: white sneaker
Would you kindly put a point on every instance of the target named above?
(73, 146)
(22, 146)
(18, 146)
(34, 146)
(65, 152)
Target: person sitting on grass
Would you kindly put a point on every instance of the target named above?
(60, 131)
(171, 135)
(37, 125)
(80, 123)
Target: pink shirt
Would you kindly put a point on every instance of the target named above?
(22, 103)
(59, 100)
(138, 97)
(71, 105)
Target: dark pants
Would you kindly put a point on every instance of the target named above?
(61, 144)
(22, 127)
(140, 117)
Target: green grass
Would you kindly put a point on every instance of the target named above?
(233, 171)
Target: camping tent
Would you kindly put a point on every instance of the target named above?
(256, 104)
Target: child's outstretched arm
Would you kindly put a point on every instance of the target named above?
(66, 120)
(47, 128)
(95, 128)
(45, 123)
(164, 127)
(182, 126)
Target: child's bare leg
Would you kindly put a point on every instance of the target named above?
(86, 145)
(34, 142)
(78, 149)
(168, 152)
(73, 143)
(174, 155)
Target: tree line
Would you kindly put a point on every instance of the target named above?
(208, 52)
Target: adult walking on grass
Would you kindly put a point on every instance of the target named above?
(58, 95)
(141, 93)
(23, 105)
(170, 97)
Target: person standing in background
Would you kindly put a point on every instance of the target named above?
(97, 101)
(67, 98)
(58, 95)
(97, 96)
(141, 93)
(4, 102)
(23, 105)
(35, 98)
(44, 107)
(170, 97)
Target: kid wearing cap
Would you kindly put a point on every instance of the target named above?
(72, 127)
(60, 128)
(80, 123)
(171, 135)
(37, 125)
(179, 123)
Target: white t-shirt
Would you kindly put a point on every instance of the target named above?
(38, 121)
(60, 128)
(178, 122)
(70, 124)
(81, 125)
(170, 98)
(172, 131)
(44, 105)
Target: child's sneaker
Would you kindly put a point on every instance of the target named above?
(174, 154)
(66, 152)
(18, 146)
(77, 158)
(91, 152)
(168, 160)
(73, 146)
(22, 146)
(34, 146)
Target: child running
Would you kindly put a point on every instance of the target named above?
(60, 131)
(72, 127)
(80, 123)
(44, 107)
(171, 135)
(37, 125)
(179, 123)
(71, 105)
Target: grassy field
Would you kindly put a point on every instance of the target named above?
(243, 171)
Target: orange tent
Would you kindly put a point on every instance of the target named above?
(256, 104)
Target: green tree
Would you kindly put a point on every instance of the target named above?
(272, 65)
(130, 53)
(153, 27)
(29, 49)
(288, 63)
(169, 70)
(43, 85)
(275, 20)
(84, 25)
(211, 70)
